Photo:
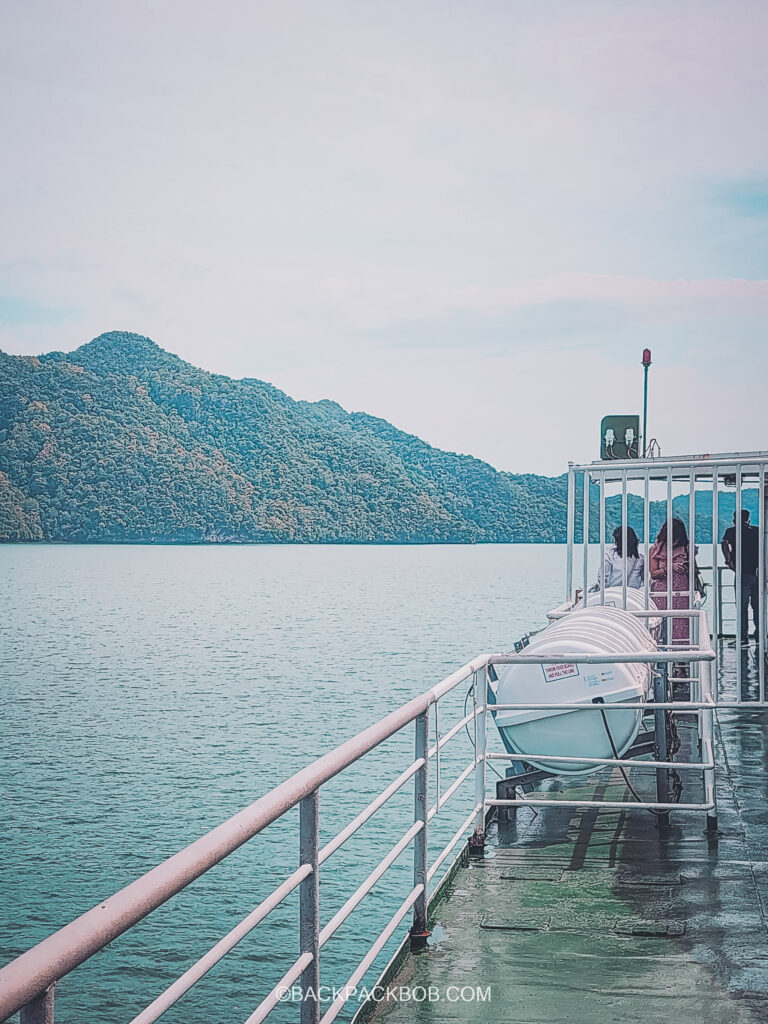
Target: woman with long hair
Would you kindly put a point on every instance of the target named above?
(659, 558)
(612, 570)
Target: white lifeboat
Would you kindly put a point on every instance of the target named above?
(535, 734)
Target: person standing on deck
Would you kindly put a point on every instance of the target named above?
(680, 562)
(749, 563)
(613, 568)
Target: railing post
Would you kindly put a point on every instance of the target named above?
(419, 933)
(437, 757)
(694, 625)
(601, 564)
(741, 625)
(646, 535)
(40, 1010)
(477, 840)
(708, 735)
(660, 729)
(717, 624)
(585, 536)
(570, 532)
(309, 908)
(762, 584)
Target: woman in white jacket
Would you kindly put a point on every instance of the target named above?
(613, 567)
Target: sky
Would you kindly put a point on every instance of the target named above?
(468, 218)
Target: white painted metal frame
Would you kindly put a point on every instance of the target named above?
(721, 471)
(27, 983)
(699, 652)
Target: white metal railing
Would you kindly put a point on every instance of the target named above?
(27, 982)
(704, 702)
(698, 652)
(676, 481)
(725, 587)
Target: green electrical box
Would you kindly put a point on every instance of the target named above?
(620, 437)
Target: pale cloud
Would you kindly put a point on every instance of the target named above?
(468, 219)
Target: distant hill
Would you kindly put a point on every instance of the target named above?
(121, 441)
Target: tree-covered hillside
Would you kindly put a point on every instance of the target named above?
(121, 441)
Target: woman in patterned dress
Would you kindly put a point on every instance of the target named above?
(657, 563)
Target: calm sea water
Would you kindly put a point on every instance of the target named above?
(151, 692)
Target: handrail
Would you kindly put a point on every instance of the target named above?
(461, 831)
(341, 915)
(368, 812)
(692, 476)
(32, 973)
(610, 805)
(26, 980)
(208, 961)
(198, 970)
(370, 956)
(702, 463)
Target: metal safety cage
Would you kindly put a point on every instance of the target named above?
(704, 702)
(679, 482)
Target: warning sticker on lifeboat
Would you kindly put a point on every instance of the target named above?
(554, 672)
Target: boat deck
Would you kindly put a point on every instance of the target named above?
(574, 917)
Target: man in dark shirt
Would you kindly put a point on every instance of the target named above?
(749, 565)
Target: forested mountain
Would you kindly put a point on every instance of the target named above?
(121, 441)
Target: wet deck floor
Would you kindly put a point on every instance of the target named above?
(575, 917)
